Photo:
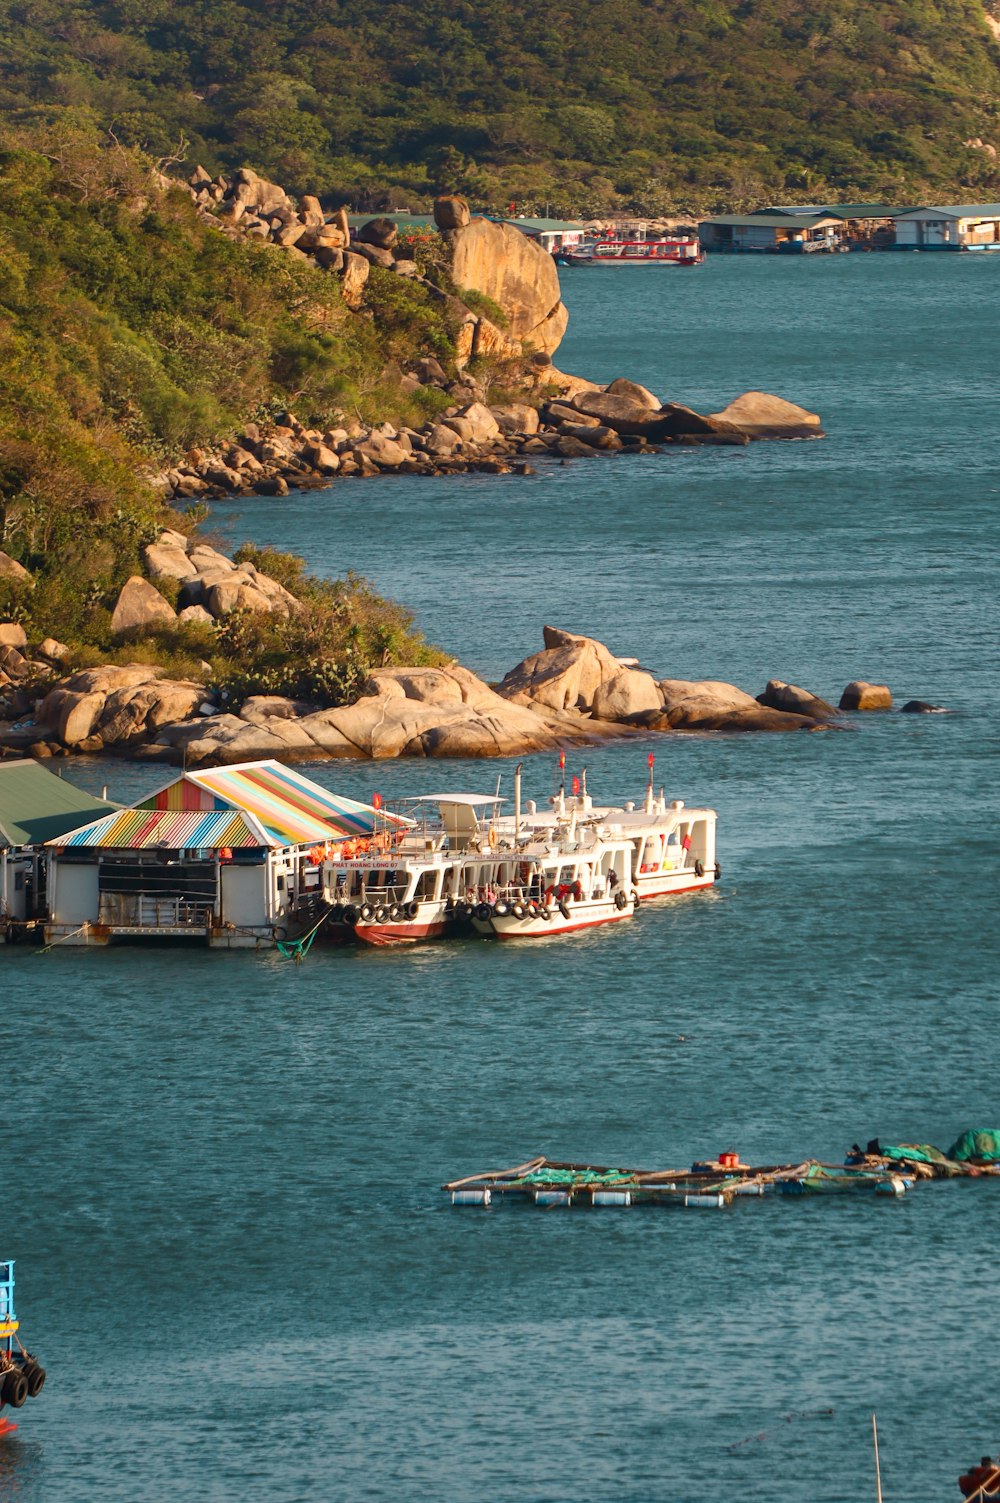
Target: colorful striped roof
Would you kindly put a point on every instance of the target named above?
(171, 829)
(292, 805)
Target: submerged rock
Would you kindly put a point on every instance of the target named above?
(922, 707)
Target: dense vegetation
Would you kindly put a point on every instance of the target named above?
(657, 104)
(130, 330)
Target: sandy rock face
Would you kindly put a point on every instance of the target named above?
(12, 634)
(519, 275)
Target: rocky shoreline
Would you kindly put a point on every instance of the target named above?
(558, 415)
(574, 691)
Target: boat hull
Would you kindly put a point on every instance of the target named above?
(405, 933)
(581, 916)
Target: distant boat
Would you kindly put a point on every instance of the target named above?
(673, 251)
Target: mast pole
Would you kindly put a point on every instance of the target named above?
(878, 1470)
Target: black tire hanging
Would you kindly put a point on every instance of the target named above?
(501, 909)
(699, 868)
(15, 1389)
(36, 1380)
(621, 901)
(564, 908)
(718, 871)
(381, 914)
(517, 909)
(365, 911)
(351, 914)
(412, 909)
(483, 911)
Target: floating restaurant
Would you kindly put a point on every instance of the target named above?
(227, 856)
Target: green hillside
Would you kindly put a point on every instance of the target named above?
(130, 330)
(651, 103)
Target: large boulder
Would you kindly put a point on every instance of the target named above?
(12, 634)
(134, 713)
(11, 569)
(353, 278)
(630, 692)
(710, 705)
(502, 263)
(379, 232)
(565, 675)
(758, 414)
(138, 607)
(451, 212)
(622, 387)
(621, 412)
(166, 561)
(860, 695)
(474, 424)
(778, 695)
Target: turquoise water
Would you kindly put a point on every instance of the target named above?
(223, 1171)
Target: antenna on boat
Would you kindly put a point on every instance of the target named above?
(517, 805)
(878, 1470)
(562, 782)
(650, 760)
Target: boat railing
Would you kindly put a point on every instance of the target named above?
(144, 910)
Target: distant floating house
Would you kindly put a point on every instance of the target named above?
(772, 231)
(35, 806)
(227, 855)
(802, 228)
(551, 234)
(949, 227)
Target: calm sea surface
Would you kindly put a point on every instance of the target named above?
(222, 1172)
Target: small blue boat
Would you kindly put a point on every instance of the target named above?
(22, 1376)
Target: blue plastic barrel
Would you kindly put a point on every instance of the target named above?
(553, 1198)
(471, 1197)
(612, 1198)
(705, 1202)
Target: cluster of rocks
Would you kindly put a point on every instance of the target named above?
(483, 257)
(573, 691)
(497, 262)
(25, 668)
(583, 422)
(211, 585)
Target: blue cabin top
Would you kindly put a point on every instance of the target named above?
(7, 1291)
(8, 1320)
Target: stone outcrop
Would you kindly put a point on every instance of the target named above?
(710, 705)
(140, 606)
(521, 277)
(758, 414)
(565, 675)
(575, 690)
(859, 695)
(777, 695)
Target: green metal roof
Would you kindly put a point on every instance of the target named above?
(955, 211)
(861, 211)
(35, 805)
(522, 222)
(773, 221)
